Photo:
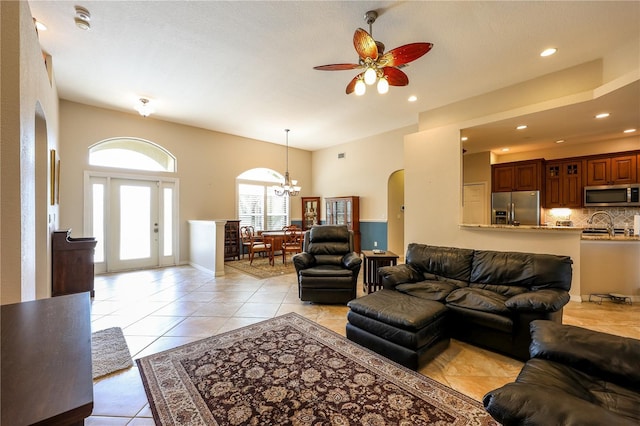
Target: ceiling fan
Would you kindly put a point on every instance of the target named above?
(380, 67)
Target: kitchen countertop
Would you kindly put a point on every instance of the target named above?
(523, 227)
(616, 238)
(585, 237)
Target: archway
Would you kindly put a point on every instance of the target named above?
(395, 213)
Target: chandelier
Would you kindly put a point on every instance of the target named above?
(288, 187)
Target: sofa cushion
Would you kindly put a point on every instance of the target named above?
(478, 299)
(535, 271)
(329, 243)
(569, 381)
(450, 262)
(525, 404)
(326, 271)
(505, 290)
(619, 363)
(545, 300)
(398, 309)
(429, 290)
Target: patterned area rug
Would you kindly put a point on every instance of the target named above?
(291, 371)
(109, 352)
(261, 269)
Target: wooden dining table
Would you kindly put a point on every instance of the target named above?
(276, 237)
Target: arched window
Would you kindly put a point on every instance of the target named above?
(258, 205)
(131, 153)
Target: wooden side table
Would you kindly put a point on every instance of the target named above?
(372, 261)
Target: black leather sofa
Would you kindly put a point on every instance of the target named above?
(575, 377)
(327, 268)
(490, 298)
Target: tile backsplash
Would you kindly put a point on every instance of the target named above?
(622, 217)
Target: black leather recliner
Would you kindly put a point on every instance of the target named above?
(328, 267)
(575, 377)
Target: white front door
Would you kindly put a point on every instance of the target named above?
(134, 224)
(133, 221)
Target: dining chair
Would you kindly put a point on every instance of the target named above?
(249, 238)
(255, 244)
(291, 241)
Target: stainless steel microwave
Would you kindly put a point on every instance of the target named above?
(612, 195)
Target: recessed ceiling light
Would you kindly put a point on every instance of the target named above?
(560, 141)
(548, 52)
(412, 98)
(521, 127)
(505, 149)
(464, 138)
(629, 130)
(603, 115)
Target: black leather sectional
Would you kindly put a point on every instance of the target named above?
(487, 298)
(575, 377)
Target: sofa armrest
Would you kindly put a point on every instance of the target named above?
(303, 260)
(391, 276)
(546, 300)
(609, 357)
(527, 404)
(351, 261)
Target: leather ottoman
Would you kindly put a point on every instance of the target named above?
(406, 329)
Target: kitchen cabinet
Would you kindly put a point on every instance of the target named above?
(612, 170)
(345, 211)
(563, 184)
(310, 212)
(517, 176)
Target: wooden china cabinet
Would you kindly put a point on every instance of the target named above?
(345, 211)
(310, 212)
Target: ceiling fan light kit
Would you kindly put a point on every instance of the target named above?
(380, 67)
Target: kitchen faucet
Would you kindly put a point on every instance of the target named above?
(610, 227)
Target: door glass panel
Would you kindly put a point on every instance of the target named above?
(168, 222)
(135, 225)
(98, 221)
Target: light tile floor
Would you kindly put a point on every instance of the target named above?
(160, 309)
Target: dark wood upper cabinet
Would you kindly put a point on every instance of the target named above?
(612, 170)
(518, 176)
(563, 184)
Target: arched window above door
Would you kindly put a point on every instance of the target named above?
(131, 153)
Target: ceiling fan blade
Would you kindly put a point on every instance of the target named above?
(337, 67)
(352, 84)
(395, 77)
(365, 44)
(404, 54)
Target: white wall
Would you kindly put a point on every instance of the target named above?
(208, 163)
(29, 122)
(365, 171)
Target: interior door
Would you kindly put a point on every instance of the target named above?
(134, 224)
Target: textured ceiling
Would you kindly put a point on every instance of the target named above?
(246, 67)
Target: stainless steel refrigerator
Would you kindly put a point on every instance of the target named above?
(520, 207)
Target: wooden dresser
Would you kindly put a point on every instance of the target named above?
(71, 264)
(46, 361)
